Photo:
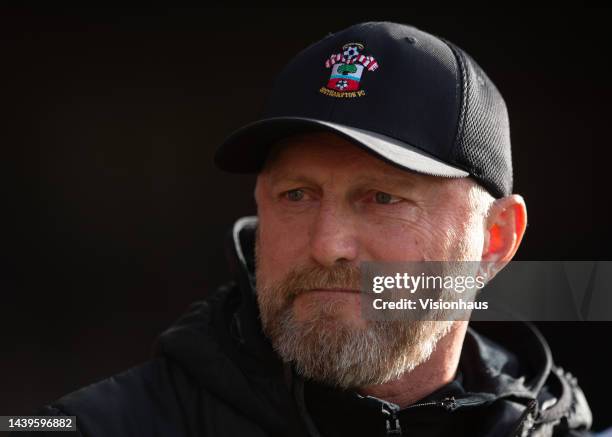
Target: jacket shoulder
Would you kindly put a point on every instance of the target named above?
(138, 401)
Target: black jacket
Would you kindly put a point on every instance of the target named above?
(215, 374)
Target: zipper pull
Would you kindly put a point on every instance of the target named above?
(392, 422)
(449, 404)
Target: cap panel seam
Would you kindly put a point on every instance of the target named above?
(462, 91)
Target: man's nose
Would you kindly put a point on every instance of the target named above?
(333, 236)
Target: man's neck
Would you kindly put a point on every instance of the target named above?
(437, 371)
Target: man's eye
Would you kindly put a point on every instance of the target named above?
(295, 195)
(385, 198)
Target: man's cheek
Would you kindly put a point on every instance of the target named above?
(399, 240)
(288, 245)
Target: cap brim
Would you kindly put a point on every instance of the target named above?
(245, 150)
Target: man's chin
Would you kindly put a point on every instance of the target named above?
(350, 352)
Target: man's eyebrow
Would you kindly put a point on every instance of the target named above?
(276, 178)
(393, 181)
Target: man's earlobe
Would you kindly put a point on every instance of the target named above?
(505, 227)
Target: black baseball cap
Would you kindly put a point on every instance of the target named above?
(410, 98)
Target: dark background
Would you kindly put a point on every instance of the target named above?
(116, 217)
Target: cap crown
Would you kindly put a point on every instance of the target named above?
(396, 80)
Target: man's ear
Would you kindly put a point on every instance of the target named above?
(257, 188)
(504, 230)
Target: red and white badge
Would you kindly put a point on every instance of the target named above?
(347, 68)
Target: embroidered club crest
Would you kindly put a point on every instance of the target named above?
(347, 68)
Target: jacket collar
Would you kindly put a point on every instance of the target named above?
(260, 357)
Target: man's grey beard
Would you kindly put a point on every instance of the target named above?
(329, 350)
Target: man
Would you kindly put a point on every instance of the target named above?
(379, 143)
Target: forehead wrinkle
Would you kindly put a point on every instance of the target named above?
(285, 176)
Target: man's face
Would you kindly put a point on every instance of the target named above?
(325, 206)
